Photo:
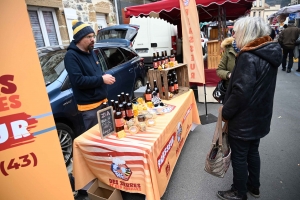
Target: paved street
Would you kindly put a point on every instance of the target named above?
(280, 153)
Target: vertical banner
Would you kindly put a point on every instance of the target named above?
(31, 162)
(191, 38)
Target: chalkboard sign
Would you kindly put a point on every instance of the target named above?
(106, 121)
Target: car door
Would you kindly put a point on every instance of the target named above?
(121, 69)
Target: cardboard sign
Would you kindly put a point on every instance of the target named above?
(106, 121)
(31, 161)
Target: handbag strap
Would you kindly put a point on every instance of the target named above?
(218, 130)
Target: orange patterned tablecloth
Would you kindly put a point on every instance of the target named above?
(140, 163)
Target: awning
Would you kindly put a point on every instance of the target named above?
(169, 10)
(288, 9)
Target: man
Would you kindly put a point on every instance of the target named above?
(85, 74)
(287, 40)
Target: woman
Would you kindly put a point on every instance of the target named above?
(248, 103)
(228, 59)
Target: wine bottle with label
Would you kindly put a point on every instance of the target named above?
(162, 85)
(129, 110)
(112, 103)
(158, 59)
(148, 93)
(121, 106)
(171, 84)
(155, 88)
(154, 62)
(172, 56)
(176, 88)
(119, 121)
(166, 57)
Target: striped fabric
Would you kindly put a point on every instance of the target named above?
(140, 163)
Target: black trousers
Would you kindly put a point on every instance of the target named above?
(245, 161)
(290, 53)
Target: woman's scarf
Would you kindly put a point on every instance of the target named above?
(237, 50)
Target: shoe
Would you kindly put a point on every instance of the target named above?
(253, 191)
(288, 71)
(298, 70)
(231, 195)
(283, 69)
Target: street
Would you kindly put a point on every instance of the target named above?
(279, 151)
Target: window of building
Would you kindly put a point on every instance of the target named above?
(254, 3)
(44, 26)
(254, 14)
(260, 4)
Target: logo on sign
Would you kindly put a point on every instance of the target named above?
(120, 169)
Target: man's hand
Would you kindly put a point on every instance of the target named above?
(108, 79)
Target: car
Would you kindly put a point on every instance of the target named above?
(116, 59)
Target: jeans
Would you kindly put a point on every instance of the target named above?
(287, 52)
(90, 117)
(245, 164)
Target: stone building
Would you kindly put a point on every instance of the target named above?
(258, 8)
(51, 20)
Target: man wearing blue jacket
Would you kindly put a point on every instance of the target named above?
(87, 79)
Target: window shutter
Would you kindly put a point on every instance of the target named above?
(36, 28)
(50, 27)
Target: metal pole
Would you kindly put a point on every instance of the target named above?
(117, 12)
(205, 100)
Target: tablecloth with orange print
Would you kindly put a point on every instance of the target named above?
(140, 163)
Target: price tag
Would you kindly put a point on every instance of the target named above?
(121, 134)
(106, 121)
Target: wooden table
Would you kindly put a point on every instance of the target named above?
(140, 163)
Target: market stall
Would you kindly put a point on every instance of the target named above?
(141, 162)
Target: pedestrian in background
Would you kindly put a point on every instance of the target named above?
(87, 79)
(287, 39)
(248, 103)
(227, 62)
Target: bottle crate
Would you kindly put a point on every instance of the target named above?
(182, 78)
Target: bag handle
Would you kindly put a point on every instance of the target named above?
(218, 130)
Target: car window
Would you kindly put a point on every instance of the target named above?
(116, 33)
(114, 56)
(52, 64)
(128, 53)
(101, 60)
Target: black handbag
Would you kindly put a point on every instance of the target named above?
(220, 91)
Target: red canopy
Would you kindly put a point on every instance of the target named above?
(169, 10)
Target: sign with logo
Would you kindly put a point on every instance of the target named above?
(31, 162)
(192, 49)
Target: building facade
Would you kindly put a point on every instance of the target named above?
(51, 20)
(258, 8)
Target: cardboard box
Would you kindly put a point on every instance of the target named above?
(101, 191)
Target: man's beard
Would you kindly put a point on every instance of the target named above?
(91, 46)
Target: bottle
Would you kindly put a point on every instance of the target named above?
(123, 98)
(112, 103)
(162, 85)
(155, 65)
(162, 58)
(172, 56)
(129, 110)
(175, 81)
(119, 122)
(166, 57)
(170, 84)
(121, 106)
(155, 88)
(158, 59)
(104, 105)
(148, 93)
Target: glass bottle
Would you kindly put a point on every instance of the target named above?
(112, 103)
(119, 122)
(129, 110)
(121, 106)
(162, 58)
(166, 57)
(155, 65)
(170, 84)
(172, 56)
(123, 98)
(104, 105)
(176, 88)
(158, 59)
(148, 93)
(155, 88)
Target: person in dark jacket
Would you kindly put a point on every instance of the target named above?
(287, 39)
(248, 103)
(87, 79)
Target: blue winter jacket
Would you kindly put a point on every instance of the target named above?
(85, 75)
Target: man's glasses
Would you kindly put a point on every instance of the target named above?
(90, 37)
